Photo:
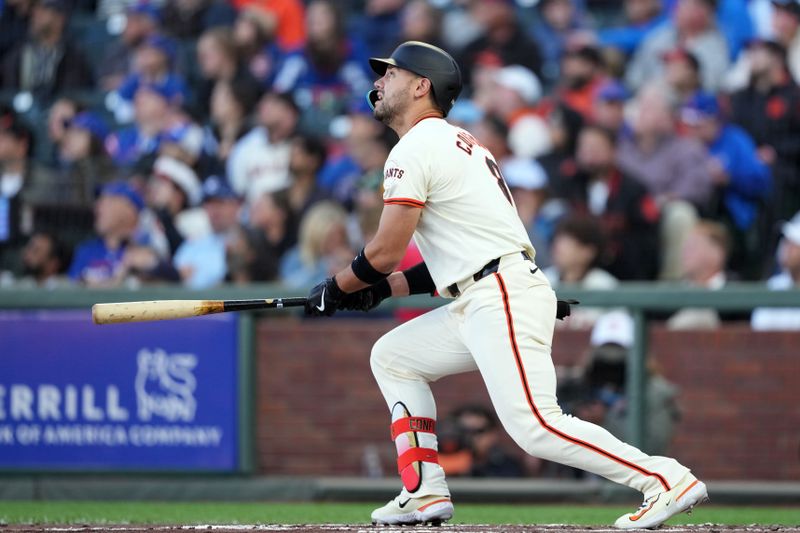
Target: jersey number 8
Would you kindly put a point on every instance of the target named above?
(494, 168)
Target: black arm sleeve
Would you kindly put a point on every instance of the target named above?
(419, 279)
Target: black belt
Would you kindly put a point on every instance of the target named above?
(489, 268)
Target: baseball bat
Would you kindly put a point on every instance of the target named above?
(116, 313)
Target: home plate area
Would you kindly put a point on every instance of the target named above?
(361, 528)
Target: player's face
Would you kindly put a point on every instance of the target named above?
(394, 94)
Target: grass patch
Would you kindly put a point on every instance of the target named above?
(93, 512)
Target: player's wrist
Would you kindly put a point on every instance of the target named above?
(334, 290)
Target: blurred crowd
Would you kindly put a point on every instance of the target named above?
(210, 141)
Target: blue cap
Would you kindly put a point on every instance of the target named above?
(701, 105)
(612, 91)
(164, 44)
(92, 122)
(147, 9)
(121, 188)
(218, 188)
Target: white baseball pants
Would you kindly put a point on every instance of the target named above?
(503, 326)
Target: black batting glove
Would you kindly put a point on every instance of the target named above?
(324, 299)
(367, 298)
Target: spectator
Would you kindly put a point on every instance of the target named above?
(703, 260)
(578, 251)
(671, 167)
(627, 213)
(692, 27)
(183, 140)
(370, 157)
(218, 61)
(609, 108)
(273, 230)
(173, 194)
(306, 160)
(288, 16)
(188, 19)
(155, 108)
(201, 262)
(328, 72)
(14, 20)
(503, 41)
(605, 375)
(323, 247)
(513, 98)
(742, 182)
(482, 434)
(230, 105)
(527, 182)
(61, 112)
(582, 74)
(642, 17)
(769, 109)
(674, 169)
(154, 65)
(421, 21)
(97, 262)
(786, 25)
(254, 35)
(380, 26)
(46, 63)
(346, 163)
(558, 22)
(142, 22)
(44, 261)
(84, 163)
(23, 184)
(241, 258)
(682, 74)
(259, 161)
(767, 319)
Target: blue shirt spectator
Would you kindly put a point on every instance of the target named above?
(152, 109)
(97, 261)
(201, 262)
(328, 72)
(737, 171)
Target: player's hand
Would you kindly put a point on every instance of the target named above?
(368, 298)
(324, 299)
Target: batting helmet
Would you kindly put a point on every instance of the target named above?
(427, 61)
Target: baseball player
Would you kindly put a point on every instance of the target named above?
(445, 189)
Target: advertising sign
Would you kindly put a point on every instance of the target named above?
(159, 396)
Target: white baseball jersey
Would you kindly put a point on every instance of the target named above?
(468, 216)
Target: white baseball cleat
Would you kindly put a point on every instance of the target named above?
(408, 511)
(657, 509)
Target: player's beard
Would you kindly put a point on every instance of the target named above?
(389, 109)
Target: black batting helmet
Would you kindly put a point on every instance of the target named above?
(427, 61)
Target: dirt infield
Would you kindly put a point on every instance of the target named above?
(344, 528)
